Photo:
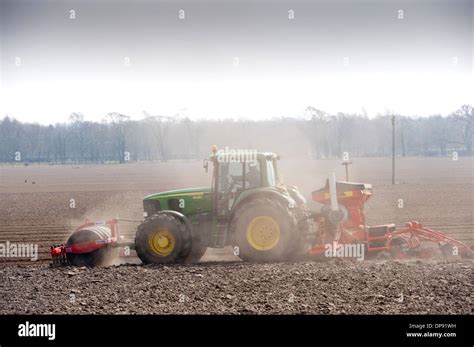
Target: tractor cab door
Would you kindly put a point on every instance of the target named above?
(229, 185)
(230, 179)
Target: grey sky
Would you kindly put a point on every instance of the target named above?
(234, 58)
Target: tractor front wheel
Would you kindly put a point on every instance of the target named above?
(163, 239)
(198, 248)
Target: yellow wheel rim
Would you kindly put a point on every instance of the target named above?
(162, 242)
(263, 233)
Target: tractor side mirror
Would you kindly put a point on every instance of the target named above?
(206, 165)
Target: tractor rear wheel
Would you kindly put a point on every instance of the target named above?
(264, 231)
(163, 239)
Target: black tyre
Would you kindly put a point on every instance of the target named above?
(96, 258)
(306, 230)
(200, 238)
(447, 250)
(163, 239)
(265, 230)
(450, 251)
(196, 253)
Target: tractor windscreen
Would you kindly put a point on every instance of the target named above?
(271, 179)
(237, 175)
(272, 173)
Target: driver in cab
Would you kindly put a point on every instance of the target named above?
(252, 175)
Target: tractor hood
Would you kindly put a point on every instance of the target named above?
(179, 193)
(190, 202)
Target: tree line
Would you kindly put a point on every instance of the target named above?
(316, 134)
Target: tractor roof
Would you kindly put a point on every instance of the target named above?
(269, 155)
(243, 155)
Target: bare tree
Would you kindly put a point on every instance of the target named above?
(160, 127)
(119, 123)
(60, 145)
(465, 118)
(318, 132)
(163, 138)
(78, 133)
(192, 137)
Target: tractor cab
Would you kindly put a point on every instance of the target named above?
(235, 175)
(238, 174)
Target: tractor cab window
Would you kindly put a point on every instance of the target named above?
(271, 179)
(229, 183)
(252, 175)
(276, 174)
(237, 176)
(233, 178)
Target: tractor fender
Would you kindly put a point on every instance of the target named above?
(296, 195)
(179, 215)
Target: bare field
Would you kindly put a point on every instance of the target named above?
(35, 207)
(333, 287)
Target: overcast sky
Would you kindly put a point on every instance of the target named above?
(239, 59)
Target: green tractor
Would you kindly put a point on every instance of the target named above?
(246, 207)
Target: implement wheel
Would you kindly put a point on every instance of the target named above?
(163, 239)
(96, 258)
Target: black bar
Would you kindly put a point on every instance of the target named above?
(334, 330)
